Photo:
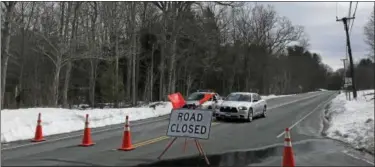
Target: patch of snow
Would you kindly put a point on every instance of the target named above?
(353, 121)
(20, 124)
(275, 96)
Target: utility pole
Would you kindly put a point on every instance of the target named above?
(344, 76)
(344, 20)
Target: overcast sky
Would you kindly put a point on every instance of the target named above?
(327, 37)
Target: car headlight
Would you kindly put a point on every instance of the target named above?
(242, 108)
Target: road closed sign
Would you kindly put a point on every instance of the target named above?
(190, 123)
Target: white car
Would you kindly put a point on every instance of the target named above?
(193, 100)
(241, 105)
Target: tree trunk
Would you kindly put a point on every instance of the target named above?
(162, 59)
(56, 83)
(137, 68)
(5, 40)
(172, 79)
(93, 62)
(152, 74)
(117, 74)
(66, 84)
(232, 81)
(189, 82)
(145, 96)
(71, 52)
(92, 82)
(134, 56)
(5, 60)
(161, 79)
(21, 57)
(129, 76)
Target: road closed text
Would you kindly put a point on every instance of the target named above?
(190, 123)
(197, 129)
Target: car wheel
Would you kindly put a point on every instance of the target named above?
(264, 112)
(218, 119)
(250, 115)
(209, 107)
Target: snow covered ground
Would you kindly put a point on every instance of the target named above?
(275, 96)
(353, 121)
(20, 124)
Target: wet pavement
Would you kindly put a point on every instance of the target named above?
(317, 152)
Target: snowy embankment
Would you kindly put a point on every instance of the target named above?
(275, 96)
(20, 124)
(353, 121)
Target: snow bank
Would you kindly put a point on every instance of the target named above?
(353, 121)
(20, 124)
(275, 96)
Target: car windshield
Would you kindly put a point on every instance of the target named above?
(238, 97)
(196, 96)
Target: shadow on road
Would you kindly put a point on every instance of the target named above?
(236, 121)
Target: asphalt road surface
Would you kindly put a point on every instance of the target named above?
(259, 143)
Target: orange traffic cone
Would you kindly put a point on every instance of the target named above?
(86, 140)
(288, 157)
(126, 140)
(38, 131)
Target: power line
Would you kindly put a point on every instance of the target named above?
(350, 11)
(351, 26)
(337, 9)
(355, 10)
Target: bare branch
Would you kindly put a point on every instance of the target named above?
(48, 42)
(46, 54)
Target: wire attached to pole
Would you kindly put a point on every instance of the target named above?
(337, 11)
(355, 10)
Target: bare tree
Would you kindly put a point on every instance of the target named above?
(23, 15)
(369, 31)
(173, 13)
(134, 52)
(5, 39)
(72, 50)
(56, 51)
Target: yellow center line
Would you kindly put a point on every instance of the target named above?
(147, 142)
(157, 139)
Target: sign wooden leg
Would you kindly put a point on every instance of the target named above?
(200, 149)
(185, 145)
(166, 148)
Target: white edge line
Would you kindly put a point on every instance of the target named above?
(364, 160)
(73, 136)
(278, 136)
(280, 105)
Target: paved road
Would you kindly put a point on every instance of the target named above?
(257, 143)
